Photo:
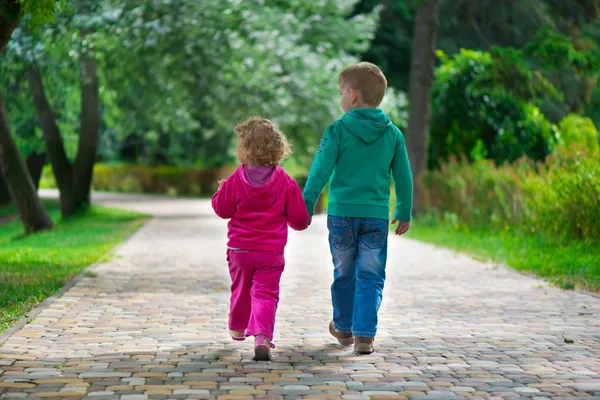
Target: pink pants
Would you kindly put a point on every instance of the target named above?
(255, 279)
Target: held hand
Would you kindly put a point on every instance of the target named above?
(402, 227)
(221, 182)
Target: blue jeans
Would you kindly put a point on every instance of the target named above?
(359, 252)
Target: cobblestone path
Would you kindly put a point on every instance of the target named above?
(151, 324)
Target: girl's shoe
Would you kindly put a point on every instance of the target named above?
(238, 336)
(262, 348)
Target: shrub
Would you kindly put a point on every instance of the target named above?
(577, 129)
(566, 194)
(480, 193)
(171, 180)
(560, 197)
(484, 107)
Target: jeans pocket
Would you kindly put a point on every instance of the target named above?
(341, 235)
(375, 233)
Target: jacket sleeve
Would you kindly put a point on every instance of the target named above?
(224, 200)
(295, 209)
(322, 167)
(403, 181)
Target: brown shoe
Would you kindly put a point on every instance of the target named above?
(345, 338)
(363, 345)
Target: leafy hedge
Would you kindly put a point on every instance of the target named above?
(484, 106)
(560, 197)
(175, 181)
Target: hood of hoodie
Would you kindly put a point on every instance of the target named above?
(261, 198)
(367, 124)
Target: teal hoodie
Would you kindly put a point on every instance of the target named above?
(358, 156)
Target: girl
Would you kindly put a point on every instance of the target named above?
(260, 200)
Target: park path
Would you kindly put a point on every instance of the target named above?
(151, 324)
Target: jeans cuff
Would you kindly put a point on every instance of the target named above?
(364, 334)
(337, 328)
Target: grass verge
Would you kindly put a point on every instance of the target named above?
(34, 267)
(571, 266)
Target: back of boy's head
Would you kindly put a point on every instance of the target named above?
(260, 142)
(368, 79)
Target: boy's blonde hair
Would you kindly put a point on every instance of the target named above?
(368, 79)
(260, 142)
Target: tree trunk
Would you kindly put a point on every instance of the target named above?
(61, 167)
(74, 181)
(88, 134)
(21, 187)
(9, 21)
(421, 80)
(35, 165)
(4, 193)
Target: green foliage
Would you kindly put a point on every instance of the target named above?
(176, 77)
(559, 198)
(41, 11)
(480, 194)
(391, 47)
(554, 51)
(564, 198)
(485, 99)
(575, 129)
(35, 267)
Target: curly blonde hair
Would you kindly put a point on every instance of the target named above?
(260, 142)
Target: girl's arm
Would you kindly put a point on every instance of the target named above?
(295, 208)
(224, 201)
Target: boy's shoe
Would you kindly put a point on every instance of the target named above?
(345, 338)
(262, 348)
(363, 345)
(238, 336)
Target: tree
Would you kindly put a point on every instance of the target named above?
(19, 182)
(485, 106)
(391, 47)
(421, 81)
(37, 51)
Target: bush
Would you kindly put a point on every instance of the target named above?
(560, 197)
(577, 129)
(484, 107)
(175, 181)
(480, 193)
(565, 195)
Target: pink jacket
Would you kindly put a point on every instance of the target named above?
(261, 202)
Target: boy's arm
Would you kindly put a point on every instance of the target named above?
(322, 167)
(295, 209)
(403, 181)
(224, 201)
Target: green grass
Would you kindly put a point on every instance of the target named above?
(570, 266)
(34, 267)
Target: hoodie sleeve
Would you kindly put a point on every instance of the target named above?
(295, 209)
(322, 167)
(403, 181)
(224, 200)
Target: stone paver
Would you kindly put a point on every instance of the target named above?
(152, 325)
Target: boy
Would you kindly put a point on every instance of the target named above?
(358, 156)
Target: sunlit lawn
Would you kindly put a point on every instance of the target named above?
(34, 267)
